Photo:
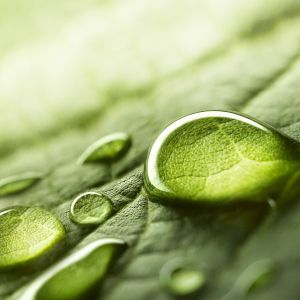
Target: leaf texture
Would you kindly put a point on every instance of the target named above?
(138, 73)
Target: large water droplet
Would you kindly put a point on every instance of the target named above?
(217, 156)
(90, 208)
(107, 149)
(18, 183)
(75, 276)
(27, 233)
(181, 279)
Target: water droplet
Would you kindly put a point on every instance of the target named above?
(90, 208)
(77, 274)
(107, 149)
(217, 156)
(18, 183)
(181, 279)
(256, 276)
(272, 203)
(260, 274)
(27, 233)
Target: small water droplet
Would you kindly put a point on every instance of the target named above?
(218, 156)
(75, 276)
(91, 208)
(27, 233)
(108, 149)
(272, 203)
(256, 276)
(18, 183)
(180, 278)
(263, 273)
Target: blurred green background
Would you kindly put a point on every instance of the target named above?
(63, 62)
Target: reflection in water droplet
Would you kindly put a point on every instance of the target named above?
(256, 276)
(108, 149)
(217, 156)
(27, 233)
(76, 275)
(18, 183)
(90, 208)
(181, 279)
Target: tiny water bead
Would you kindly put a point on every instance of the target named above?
(217, 156)
(91, 208)
(27, 233)
(108, 149)
(19, 183)
(181, 279)
(76, 275)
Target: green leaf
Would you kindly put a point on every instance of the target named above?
(137, 66)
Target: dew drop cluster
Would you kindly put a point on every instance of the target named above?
(207, 157)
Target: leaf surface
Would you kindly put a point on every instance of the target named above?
(109, 71)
